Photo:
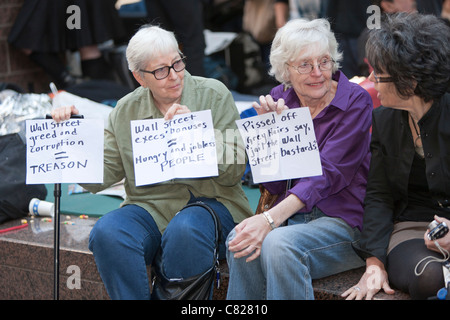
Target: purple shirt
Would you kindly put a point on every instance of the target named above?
(343, 135)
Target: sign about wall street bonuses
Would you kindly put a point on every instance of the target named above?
(183, 147)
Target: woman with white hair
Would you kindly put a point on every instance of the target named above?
(153, 219)
(309, 232)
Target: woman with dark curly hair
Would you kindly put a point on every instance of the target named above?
(409, 177)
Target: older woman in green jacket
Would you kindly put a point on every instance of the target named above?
(152, 220)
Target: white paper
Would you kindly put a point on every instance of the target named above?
(281, 147)
(217, 41)
(65, 152)
(88, 108)
(184, 147)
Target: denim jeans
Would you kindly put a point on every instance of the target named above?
(126, 240)
(310, 246)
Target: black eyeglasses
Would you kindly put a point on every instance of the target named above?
(163, 72)
(381, 79)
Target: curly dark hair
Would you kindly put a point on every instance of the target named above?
(413, 49)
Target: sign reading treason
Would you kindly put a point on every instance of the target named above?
(66, 152)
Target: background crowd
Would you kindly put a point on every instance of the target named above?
(71, 56)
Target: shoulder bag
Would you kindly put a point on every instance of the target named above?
(194, 288)
(267, 200)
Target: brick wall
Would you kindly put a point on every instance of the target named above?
(15, 67)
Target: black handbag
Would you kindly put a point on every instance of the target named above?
(194, 288)
(15, 194)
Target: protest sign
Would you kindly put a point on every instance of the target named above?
(183, 147)
(66, 152)
(281, 146)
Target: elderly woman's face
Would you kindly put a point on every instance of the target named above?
(168, 88)
(311, 77)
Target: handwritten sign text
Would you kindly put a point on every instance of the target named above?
(281, 147)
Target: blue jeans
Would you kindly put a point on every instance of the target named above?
(310, 246)
(126, 240)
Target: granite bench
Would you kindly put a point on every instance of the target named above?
(27, 265)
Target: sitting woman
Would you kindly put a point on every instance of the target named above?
(152, 220)
(308, 233)
(409, 178)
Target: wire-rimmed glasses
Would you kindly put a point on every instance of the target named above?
(325, 64)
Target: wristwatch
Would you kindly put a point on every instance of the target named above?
(269, 219)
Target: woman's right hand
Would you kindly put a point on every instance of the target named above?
(444, 242)
(267, 104)
(373, 280)
(64, 113)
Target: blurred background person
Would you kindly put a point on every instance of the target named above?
(186, 19)
(41, 31)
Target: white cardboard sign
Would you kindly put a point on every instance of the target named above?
(184, 147)
(281, 147)
(67, 152)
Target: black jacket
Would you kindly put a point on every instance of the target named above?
(393, 151)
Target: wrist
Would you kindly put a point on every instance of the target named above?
(374, 261)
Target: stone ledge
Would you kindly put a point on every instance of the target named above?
(27, 262)
(26, 266)
(331, 288)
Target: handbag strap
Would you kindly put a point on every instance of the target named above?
(218, 234)
(288, 186)
(217, 224)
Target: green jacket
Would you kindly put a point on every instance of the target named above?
(164, 200)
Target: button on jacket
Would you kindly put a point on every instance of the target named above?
(164, 200)
(393, 151)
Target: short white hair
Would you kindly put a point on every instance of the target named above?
(149, 42)
(298, 39)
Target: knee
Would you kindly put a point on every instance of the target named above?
(277, 247)
(230, 237)
(191, 225)
(102, 234)
(428, 283)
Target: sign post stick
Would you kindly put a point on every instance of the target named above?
(56, 230)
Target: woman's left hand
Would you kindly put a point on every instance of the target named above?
(250, 235)
(176, 109)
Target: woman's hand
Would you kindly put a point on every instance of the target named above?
(251, 232)
(64, 113)
(444, 242)
(268, 105)
(250, 235)
(374, 278)
(176, 109)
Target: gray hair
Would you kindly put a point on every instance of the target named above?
(149, 42)
(300, 38)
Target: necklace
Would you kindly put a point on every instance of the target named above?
(419, 149)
